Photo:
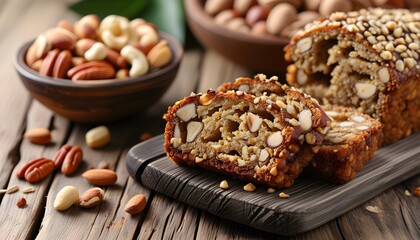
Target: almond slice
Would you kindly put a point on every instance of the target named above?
(193, 129)
(253, 121)
(186, 112)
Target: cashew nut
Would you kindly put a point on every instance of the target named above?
(137, 59)
(98, 51)
(146, 34)
(115, 31)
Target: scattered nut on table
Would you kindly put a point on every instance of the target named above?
(66, 197)
(100, 177)
(21, 203)
(136, 204)
(38, 135)
(91, 198)
(93, 49)
(98, 137)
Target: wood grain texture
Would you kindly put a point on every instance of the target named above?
(304, 210)
(20, 223)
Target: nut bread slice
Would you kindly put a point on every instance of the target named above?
(352, 140)
(368, 60)
(246, 137)
(350, 143)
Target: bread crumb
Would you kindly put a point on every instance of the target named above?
(283, 195)
(224, 185)
(249, 187)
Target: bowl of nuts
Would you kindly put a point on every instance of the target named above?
(253, 33)
(97, 71)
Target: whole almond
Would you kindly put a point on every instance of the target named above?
(91, 197)
(38, 135)
(72, 160)
(66, 197)
(159, 55)
(100, 177)
(136, 204)
(98, 137)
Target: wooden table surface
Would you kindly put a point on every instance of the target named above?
(163, 218)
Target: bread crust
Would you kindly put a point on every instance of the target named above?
(385, 46)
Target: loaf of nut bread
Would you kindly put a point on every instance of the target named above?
(367, 60)
(255, 139)
(351, 141)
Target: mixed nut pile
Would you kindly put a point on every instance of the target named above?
(285, 17)
(92, 49)
(67, 160)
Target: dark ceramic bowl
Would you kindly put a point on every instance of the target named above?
(264, 54)
(99, 101)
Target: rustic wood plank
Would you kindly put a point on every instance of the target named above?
(398, 217)
(169, 219)
(20, 223)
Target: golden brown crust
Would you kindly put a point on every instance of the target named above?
(237, 150)
(351, 142)
(382, 46)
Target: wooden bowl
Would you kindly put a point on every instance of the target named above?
(264, 54)
(99, 101)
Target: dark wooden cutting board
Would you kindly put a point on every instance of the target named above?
(311, 203)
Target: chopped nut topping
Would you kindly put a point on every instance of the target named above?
(365, 90)
(305, 119)
(304, 44)
(275, 139)
(263, 155)
(271, 190)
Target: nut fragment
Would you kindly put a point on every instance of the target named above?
(249, 187)
(136, 204)
(271, 190)
(28, 190)
(305, 119)
(407, 193)
(263, 155)
(98, 137)
(12, 189)
(417, 192)
(275, 139)
(283, 195)
(365, 90)
(224, 185)
(100, 177)
(253, 121)
(91, 197)
(21, 203)
(66, 197)
(38, 135)
(193, 129)
(373, 209)
(304, 45)
(187, 112)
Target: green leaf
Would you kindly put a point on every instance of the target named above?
(103, 8)
(168, 16)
